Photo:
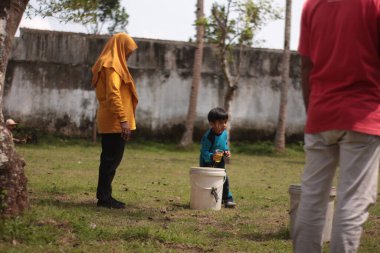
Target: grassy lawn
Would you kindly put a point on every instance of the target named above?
(153, 179)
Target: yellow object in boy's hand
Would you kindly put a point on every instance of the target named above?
(218, 155)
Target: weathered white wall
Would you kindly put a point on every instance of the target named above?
(48, 86)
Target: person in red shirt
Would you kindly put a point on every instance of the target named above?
(340, 53)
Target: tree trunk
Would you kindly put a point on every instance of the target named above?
(230, 92)
(281, 125)
(187, 138)
(231, 86)
(13, 193)
(232, 82)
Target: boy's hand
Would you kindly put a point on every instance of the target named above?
(227, 155)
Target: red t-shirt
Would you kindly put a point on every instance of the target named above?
(342, 39)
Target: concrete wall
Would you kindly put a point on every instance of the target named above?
(48, 86)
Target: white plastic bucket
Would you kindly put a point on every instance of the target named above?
(206, 188)
(295, 195)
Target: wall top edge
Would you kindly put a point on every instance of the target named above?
(24, 31)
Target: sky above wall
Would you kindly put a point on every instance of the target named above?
(174, 19)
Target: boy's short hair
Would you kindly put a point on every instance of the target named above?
(217, 113)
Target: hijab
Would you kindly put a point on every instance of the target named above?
(115, 55)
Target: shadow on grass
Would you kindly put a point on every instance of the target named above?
(264, 148)
(180, 206)
(281, 234)
(134, 212)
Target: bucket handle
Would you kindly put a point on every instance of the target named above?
(210, 188)
(215, 194)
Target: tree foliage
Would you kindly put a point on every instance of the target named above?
(237, 22)
(93, 14)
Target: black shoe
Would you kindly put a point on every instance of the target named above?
(117, 201)
(229, 204)
(111, 203)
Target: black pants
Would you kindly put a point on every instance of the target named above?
(227, 195)
(110, 158)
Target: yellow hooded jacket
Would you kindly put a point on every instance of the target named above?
(115, 88)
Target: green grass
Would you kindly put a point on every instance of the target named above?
(153, 179)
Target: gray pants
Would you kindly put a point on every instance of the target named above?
(358, 158)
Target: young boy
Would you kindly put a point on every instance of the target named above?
(214, 149)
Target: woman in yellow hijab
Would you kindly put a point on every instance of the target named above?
(117, 96)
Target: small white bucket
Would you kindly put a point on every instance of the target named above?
(206, 188)
(295, 195)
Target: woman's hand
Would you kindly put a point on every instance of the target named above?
(125, 130)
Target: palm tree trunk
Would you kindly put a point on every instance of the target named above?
(13, 193)
(187, 138)
(281, 125)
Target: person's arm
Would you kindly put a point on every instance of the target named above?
(115, 105)
(307, 66)
(206, 155)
